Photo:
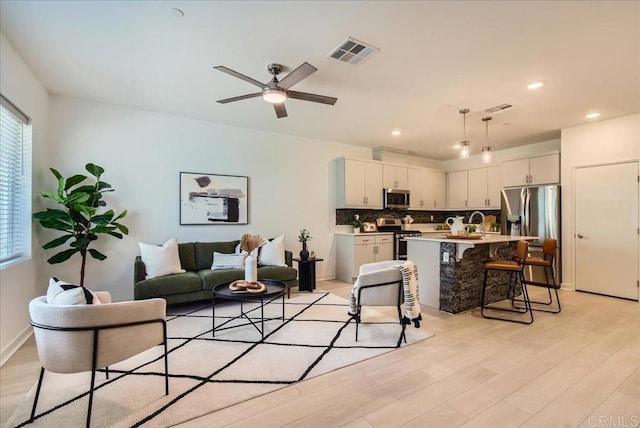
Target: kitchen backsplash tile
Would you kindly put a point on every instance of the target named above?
(344, 216)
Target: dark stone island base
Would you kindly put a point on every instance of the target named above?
(461, 281)
(451, 271)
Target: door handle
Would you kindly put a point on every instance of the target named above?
(580, 235)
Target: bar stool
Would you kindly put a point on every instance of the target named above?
(515, 268)
(549, 248)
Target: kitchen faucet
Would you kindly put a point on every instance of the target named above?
(484, 227)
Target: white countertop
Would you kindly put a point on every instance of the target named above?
(488, 239)
(363, 233)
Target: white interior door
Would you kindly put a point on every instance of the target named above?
(606, 230)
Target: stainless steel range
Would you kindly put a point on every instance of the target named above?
(399, 243)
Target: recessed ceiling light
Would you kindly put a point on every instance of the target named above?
(177, 12)
(593, 115)
(396, 132)
(536, 85)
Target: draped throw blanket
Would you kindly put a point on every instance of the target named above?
(411, 297)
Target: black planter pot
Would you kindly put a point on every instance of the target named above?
(304, 254)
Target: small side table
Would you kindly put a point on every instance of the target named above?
(307, 273)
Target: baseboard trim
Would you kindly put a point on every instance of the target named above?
(15, 344)
(325, 277)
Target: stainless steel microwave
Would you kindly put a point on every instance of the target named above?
(395, 198)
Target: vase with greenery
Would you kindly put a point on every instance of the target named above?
(357, 223)
(304, 237)
(81, 216)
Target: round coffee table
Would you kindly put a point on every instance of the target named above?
(274, 290)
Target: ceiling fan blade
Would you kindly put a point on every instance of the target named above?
(302, 72)
(311, 97)
(280, 109)
(241, 97)
(240, 76)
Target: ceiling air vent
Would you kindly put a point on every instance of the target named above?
(352, 51)
(500, 108)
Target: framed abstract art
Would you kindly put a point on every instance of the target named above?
(213, 199)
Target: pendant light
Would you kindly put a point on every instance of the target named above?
(464, 144)
(486, 150)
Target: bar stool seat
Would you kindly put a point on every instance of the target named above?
(549, 248)
(515, 268)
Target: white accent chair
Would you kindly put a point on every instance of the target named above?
(379, 284)
(79, 338)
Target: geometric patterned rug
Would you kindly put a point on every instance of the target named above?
(209, 373)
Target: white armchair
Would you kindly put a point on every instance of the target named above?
(378, 284)
(78, 338)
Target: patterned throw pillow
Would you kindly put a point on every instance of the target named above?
(228, 261)
(63, 293)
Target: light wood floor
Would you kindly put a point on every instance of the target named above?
(577, 369)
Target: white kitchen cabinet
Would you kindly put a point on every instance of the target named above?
(457, 189)
(483, 187)
(535, 170)
(359, 184)
(427, 188)
(415, 183)
(439, 190)
(395, 177)
(352, 251)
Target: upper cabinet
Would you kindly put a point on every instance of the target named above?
(476, 188)
(395, 177)
(427, 189)
(535, 170)
(484, 186)
(359, 184)
(439, 190)
(457, 189)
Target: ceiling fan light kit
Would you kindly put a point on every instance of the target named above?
(276, 91)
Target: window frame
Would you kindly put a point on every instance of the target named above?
(25, 210)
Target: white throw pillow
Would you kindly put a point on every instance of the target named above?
(161, 260)
(272, 253)
(239, 250)
(63, 293)
(228, 261)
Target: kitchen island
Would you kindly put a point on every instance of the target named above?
(451, 271)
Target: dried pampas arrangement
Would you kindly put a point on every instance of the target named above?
(249, 242)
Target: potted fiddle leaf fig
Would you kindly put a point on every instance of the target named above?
(81, 216)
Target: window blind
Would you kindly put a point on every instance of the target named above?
(13, 131)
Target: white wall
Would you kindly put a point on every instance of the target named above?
(21, 282)
(291, 181)
(602, 142)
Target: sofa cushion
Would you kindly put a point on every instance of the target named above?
(204, 252)
(167, 285)
(279, 273)
(213, 278)
(187, 253)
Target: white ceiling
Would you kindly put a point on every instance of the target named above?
(435, 58)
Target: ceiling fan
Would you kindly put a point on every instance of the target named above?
(277, 92)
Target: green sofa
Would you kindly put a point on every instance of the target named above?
(199, 280)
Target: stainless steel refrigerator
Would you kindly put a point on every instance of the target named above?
(533, 211)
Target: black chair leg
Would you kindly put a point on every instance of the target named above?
(550, 297)
(166, 360)
(525, 295)
(35, 399)
(106, 372)
(358, 309)
(402, 336)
